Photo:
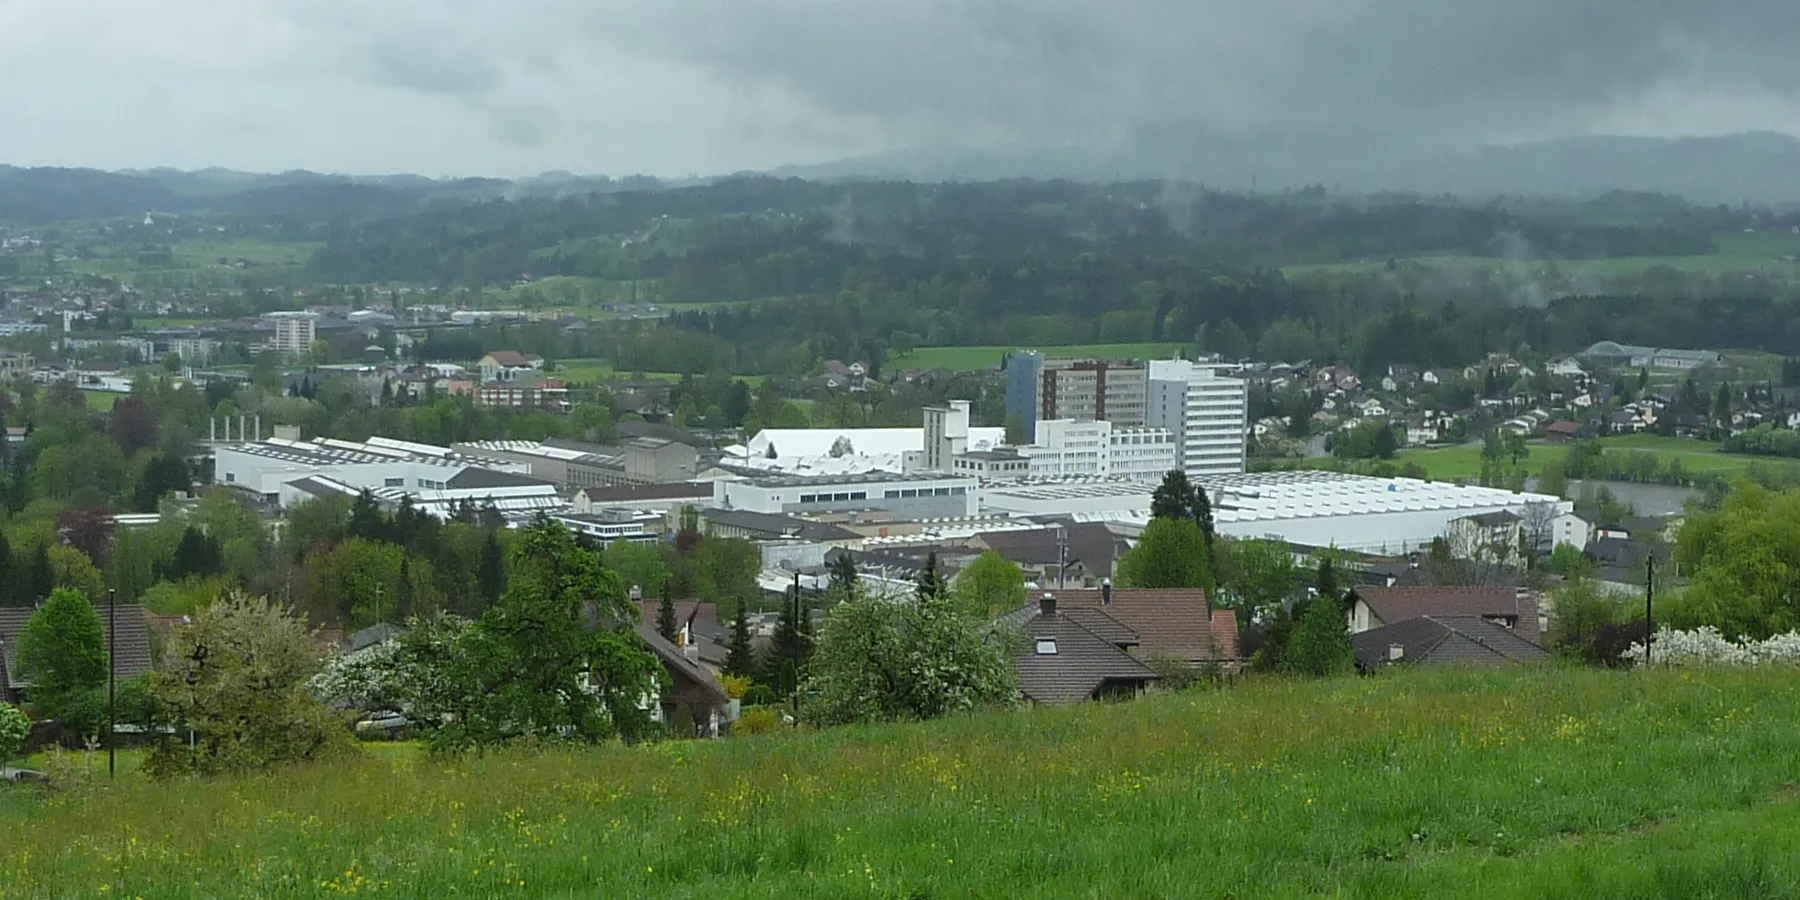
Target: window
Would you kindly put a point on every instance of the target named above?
(840, 498)
(942, 492)
(1046, 646)
(809, 498)
(230, 476)
(959, 492)
(394, 482)
(859, 495)
(909, 493)
(891, 495)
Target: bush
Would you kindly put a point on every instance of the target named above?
(736, 686)
(1176, 675)
(14, 726)
(761, 720)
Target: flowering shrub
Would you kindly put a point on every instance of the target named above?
(1705, 646)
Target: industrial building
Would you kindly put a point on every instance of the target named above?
(282, 471)
(1084, 390)
(637, 461)
(1206, 409)
(294, 332)
(1387, 516)
(1066, 448)
(911, 496)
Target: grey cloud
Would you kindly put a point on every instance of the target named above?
(397, 62)
(1081, 71)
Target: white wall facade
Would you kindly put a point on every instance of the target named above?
(927, 495)
(1206, 411)
(1070, 449)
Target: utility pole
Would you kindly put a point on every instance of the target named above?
(1649, 610)
(112, 681)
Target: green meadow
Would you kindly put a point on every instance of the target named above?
(1520, 784)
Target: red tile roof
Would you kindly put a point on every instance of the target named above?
(1397, 604)
(1169, 621)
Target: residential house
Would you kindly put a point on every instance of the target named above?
(1493, 537)
(1562, 432)
(1444, 640)
(1569, 528)
(509, 365)
(1336, 378)
(546, 395)
(1372, 409)
(1176, 623)
(1621, 565)
(690, 700)
(131, 653)
(14, 364)
(1373, 607)
(1565, 367)
(1075, 654)
(1088, 550)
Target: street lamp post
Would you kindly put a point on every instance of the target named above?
(112, 680)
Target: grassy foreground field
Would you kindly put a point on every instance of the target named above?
(1517, 784)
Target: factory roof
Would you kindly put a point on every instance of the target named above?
(1270, 496)
(856, 478)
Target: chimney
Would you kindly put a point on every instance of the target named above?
(1047, 605)
(1396, 652)
(1106, 592)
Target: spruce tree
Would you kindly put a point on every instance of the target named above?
(403, 593)
(492, 574)
(931, 585)
(8, 577)
(1320, 645)
(845, 585)
(784, 649)
(1328, 584)
(738, 658)
(43, 577)
(665, 615)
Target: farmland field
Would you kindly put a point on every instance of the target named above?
(1464, 460)
(1528, 784)
(970, 359)
(591, 371)
(1763, 252)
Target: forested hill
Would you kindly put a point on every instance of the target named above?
(754, 238)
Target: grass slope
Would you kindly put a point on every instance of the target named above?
(1509, 784)
(970, 359)
(1464, 460)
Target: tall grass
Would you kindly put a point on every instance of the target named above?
(1515, 784)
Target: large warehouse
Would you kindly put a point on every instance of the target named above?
(1323, 509)
(1353, 512)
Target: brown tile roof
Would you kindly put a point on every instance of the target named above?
(1172, 622)
(512, 358)
(682, 668)
(1397, 604)
(706, 615)
(1447, 640)
(133, 648)
(1082, 663)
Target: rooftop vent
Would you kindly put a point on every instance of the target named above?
(1396, 652)
(1046, 646)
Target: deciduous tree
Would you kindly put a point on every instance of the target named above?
(62, 655)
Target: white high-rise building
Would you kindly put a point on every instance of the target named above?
(1207, 410)
(946, 434)
(294, 332)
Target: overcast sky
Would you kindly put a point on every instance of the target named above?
(673, 87)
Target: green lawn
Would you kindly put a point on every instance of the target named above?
(970, 359)
(1464, 460)
(1520, 784)
(591, 371)
(276, 253)
(102, 401)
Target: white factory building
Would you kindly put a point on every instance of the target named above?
(283, 471)
(918, 496)
(1388, 516)
(1206, 409)
(1066, 448)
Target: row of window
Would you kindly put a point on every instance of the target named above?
(909, 493)
(833, 498)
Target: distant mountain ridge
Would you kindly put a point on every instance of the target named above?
(1761, 167)
(1756, 166)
